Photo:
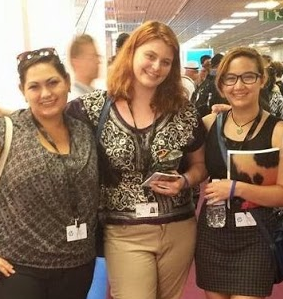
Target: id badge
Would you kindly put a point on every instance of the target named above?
(76, 232)
(147, 209)
(244, 219)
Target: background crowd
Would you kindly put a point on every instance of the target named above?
(156, 118)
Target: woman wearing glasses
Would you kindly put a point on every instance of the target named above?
(232, 257)
(49, 190)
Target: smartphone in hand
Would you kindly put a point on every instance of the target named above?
(161, 176)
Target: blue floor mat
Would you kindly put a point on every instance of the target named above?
(98, 289)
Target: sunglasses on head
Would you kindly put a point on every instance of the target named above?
(40, 52)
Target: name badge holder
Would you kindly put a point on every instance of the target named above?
(77, 231)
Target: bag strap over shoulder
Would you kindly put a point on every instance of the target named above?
(7, 142)
(102, 118)
(219, 121)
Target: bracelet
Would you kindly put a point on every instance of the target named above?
(187, 184)
(232, 190)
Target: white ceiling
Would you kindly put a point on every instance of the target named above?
(188, 18)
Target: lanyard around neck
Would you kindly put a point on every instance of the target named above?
(45, 134)
(250, 132)
(144, 147)
(70, 182)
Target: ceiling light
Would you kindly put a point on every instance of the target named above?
(205, 36)
(244, 14)
(232, 21)
(110, 22)
(111, 29)
(223, 26)
(263, 4)
(214, 31)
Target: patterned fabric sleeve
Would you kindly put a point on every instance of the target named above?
(77, 110)
(93, 104)
(2, 132)
(276, 104)
(199, 134)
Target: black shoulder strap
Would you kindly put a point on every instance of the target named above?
(269, 239)
(219, 120)
(102, 118)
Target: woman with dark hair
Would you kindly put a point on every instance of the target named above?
(150, 127)
(49, 190)
(233, 259)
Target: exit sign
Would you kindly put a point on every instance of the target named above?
(270, 15)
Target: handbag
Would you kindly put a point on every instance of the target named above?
(274, 239)
(7, 142)
(275, 242)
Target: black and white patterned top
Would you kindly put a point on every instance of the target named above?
(35, 201)
(122, 159)
(276, 104)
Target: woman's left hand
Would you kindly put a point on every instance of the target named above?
(216, 191)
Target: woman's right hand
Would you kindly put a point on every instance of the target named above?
(6, 268)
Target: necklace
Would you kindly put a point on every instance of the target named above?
(240, 127)
(144, 142)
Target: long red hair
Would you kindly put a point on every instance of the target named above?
(170, 94)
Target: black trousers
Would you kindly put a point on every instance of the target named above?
(34, 283)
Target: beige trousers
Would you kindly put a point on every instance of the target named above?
(149, 261)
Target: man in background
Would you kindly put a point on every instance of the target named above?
(190, 78)
(192, 71)
(205, 61)
(84, 60)
(119, 43)
(206, 95)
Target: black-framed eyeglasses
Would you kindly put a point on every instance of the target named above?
(246, 78)
(40, 52)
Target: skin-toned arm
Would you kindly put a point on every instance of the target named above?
(5, 112)
(6, 268)
(195, 174)
(208, 121)
(216, 108)
(197, 171)
(269, 196)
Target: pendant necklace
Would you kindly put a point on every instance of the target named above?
(240, 127)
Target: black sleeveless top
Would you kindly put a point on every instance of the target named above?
(214, 162)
